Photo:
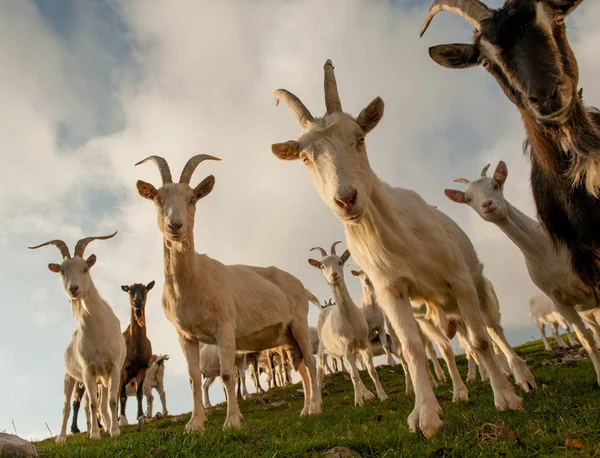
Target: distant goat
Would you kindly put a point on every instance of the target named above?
(543, 310)
(97, 350)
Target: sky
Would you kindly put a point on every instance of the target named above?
(90, 88)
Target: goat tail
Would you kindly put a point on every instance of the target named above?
(314, 299)
(160, 359)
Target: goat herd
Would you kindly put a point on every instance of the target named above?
(421, 277)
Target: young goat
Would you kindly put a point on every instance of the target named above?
(97, 350)
(543, 311)
(343, 330)
(139, 348)
(409, 249)
(236, 307)
(548, 268)
(524, 46)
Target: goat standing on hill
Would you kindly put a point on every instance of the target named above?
(97, 350)
(409, 249)
(543, 310)
(139, 348)
(235, 307)
(524, 46)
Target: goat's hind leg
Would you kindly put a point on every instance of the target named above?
(91, 389)
(557, 337)
(104, 415)
(226, 347)
(359, 391)
(114, 383)
(311, 384)
(542, 328)
(368, 359)
(191, 351)
(68, 385)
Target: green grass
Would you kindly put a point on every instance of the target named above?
(566, 405)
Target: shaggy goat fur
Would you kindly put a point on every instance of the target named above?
(235, 307)
(97, 351)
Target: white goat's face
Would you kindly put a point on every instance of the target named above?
(333, 150)
(485, 195)
(176, 206)
(75, 274)
(332, 267)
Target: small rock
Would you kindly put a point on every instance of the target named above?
(179, 418)
(300, 391)
(341, 452)
(278, 403)
(11, 445)
(158, 415)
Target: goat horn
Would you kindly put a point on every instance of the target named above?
(295, 104)
(474, 11)
(323, 252)
(62, 247)
(333, 248)
(163, 167)
(332, 98)
(83, 243)
(484, 170)
(462, 180)
(188, 170)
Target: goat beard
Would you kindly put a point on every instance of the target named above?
(139, 319)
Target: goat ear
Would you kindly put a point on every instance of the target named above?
(91, 260)
(567, 6)
(501, 173)
(150, 285)
(371, 115)
(287, 151)
(315, 263)
(455, 196)
(205, 187)
(125, 288)
(345, 256)
(356, 273)
(455, 55)
(146, 190)
(54, 268)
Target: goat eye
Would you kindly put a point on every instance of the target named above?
(559, 19)
(86, 270)
(485, 63)
(193, 200)
(360, 141)
(467, 199)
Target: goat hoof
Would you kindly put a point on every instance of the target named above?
(233, 421)
(115, 431)
(95, 435)
(61, 439)
(195, 424)
(75, 430)
(508, 401)
(427, 419)
(461, 395)
(142, 420)
(123, 420)
(368, 396)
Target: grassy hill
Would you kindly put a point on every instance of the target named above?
(566, 406)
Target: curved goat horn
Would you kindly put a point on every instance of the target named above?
(62, 247)
(295, 104)
(163, 168)
(188, 170)
(474, 11)
(323, 252)
(332, 98)
(484, 170)
(80, 247)
(462, 180)
(333, 248)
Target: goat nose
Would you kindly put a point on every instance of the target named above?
(546, 90)
(487, 203)
(347, 200)
(73, 288)
(175, 226)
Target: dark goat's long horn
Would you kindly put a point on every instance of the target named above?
(333, 248)
(80, 247)
(484, 170)
(323, 252)
(474, 11)
(332, 98)
(188, 170)
(295, 104)
(163, 168)
(62, 247)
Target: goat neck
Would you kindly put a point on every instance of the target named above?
(368, 296)
(135, 329)
(342, 298)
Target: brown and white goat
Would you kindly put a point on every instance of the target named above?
(139, 348)
(524, 46)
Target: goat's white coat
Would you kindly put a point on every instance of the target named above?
(543, 310)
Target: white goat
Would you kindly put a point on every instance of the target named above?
(408, 248)
(237, 307)
(97, 350)
(548, 266)
(343, 329)
(154, 379)
(543, 310)
(210, 365)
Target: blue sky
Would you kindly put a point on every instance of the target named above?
(89, 88)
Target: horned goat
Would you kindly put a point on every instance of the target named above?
(408, 248)
(544, 312)
(524, 46)
(343, 329)
(236, 307)
(97, 351)
(548, 268)
(139, 348)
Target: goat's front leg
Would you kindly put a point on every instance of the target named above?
(439, 372)
(104, 415)
(359, 389)
(542, 328)
(163, 398)
(427, 414)
(139, 393)
(241, 373)
(91, 389)
(191, 352)
(386, 345)
(368, 358)
(114, 383)
(556, 334)
(68, 385)
(226, 347)
(208, 381)
(123, 398)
